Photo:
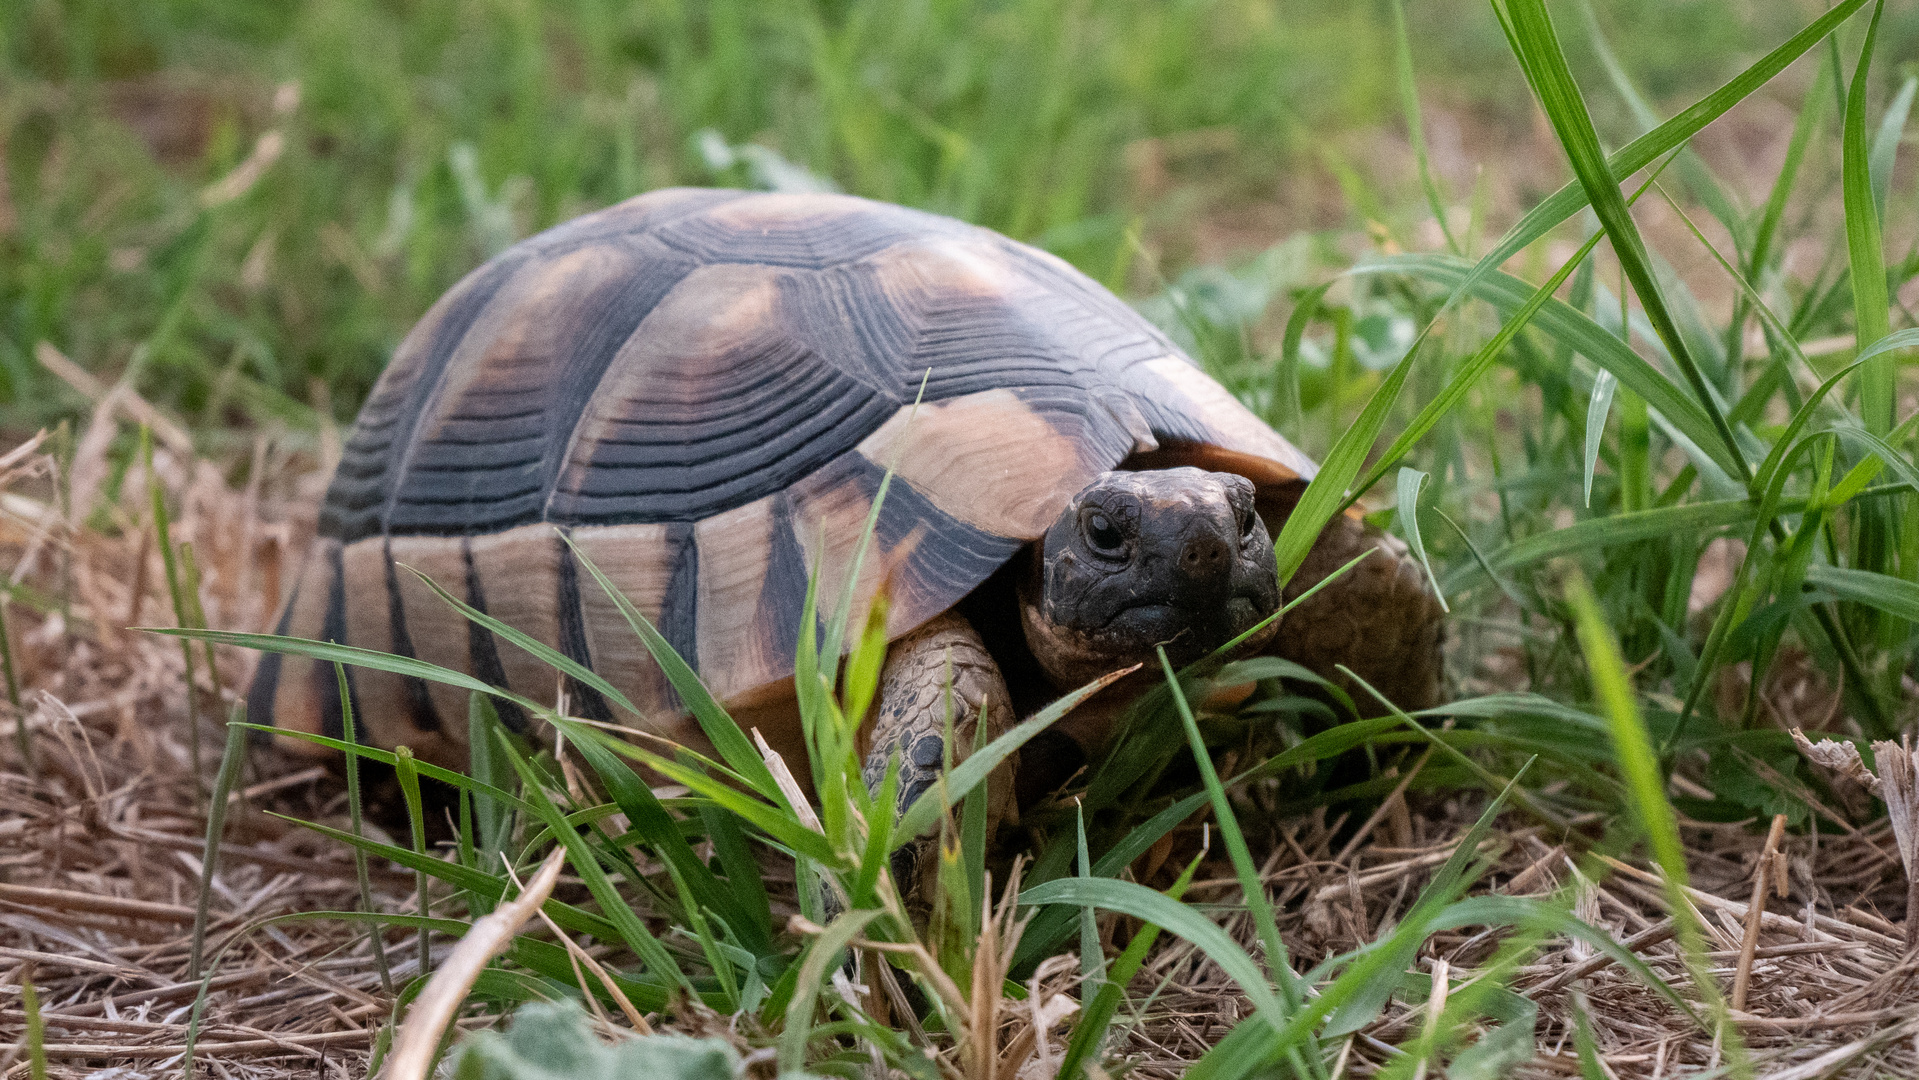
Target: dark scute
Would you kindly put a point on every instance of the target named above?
(744, 427)
(948, 558)
(266, 676)
(326, 681)
(679, 615)
(483, 653)
(590, 703)
(844, 316)
(782, 600)
(371, 457)
(496, 453)
(419, 702)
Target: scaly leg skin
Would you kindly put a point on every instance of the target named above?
(912, 721)
(1381, 619)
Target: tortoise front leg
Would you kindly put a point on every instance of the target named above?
(914, 706)
(1381, 619)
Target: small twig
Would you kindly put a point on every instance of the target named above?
(1398, 797)
(1762, 879)
(419, 1038)
(582, 957)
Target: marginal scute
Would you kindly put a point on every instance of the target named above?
(521, 569)
(436, 629)
(640, 561)
(973, 458)
(1231, 424)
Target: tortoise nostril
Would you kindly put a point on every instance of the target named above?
(1203, 554)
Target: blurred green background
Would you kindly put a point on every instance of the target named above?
(1136, 138)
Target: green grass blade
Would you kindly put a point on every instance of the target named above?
(1564, 323)
(541, 651)
(1646, 789)
(1871, 301)
(933, 803)
(651, 820)
(1131, 898)
(1331, 488)
(1654, 144)
(460, 877)
(329, 652)
(1617, 530)
(1251, 886)
(775, 821)
(230, 761)
(1559, 96)
(409, 780)
(1597, 409)
(1894, 596)
(1696, 174)
(1407, 491)
(626, 922)
(386, 757)
(493, 816)
(727, 738)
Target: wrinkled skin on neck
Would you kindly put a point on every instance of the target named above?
(1170, 557)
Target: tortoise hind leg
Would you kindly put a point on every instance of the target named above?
(913, 708)
(1381, 619)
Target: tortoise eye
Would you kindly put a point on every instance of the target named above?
(1103, 534)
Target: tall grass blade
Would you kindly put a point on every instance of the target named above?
(1407, 491)
(1871, 302)
(1140, 902)
(229, 775)
(1676, 132)
(1416, 127)
(733, 745)
(163, 531)
(1559, 96)
(1646, 795)
(409, 779)
(1251, 886)
(1686, 422)
(1597, 409)
(376, 937)
(541, 651)
(630, 927)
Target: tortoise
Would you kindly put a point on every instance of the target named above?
(704, 390)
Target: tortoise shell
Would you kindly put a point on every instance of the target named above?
(705, 389)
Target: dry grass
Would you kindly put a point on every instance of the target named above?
(102, 842)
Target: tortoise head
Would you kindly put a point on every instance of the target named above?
(1173, 557)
